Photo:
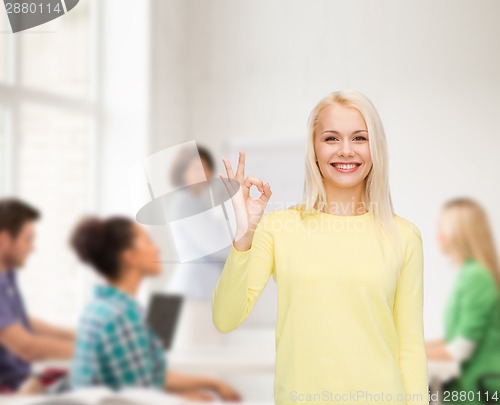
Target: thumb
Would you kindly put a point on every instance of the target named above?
(266, 194)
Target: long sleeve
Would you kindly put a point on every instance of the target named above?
(478, 299)
(408, 320)
(243, 278)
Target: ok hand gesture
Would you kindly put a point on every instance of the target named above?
(248, 211)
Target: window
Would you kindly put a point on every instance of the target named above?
(48, 130)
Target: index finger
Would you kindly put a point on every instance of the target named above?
(229, 169)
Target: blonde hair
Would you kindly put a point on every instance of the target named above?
(376, 193)
(466, 227)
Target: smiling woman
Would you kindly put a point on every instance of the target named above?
(349, 270)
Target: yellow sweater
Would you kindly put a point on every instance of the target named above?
(350, 326)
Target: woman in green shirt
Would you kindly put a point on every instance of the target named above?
(472, 312)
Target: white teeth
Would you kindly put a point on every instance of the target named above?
(346, 167)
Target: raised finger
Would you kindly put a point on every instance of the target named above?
(240, 171)
(230, 187)
(229, 169)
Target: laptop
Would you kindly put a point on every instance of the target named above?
(163, 316)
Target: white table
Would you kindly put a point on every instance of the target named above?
(242, 351)
(222, 360)
(243, 358)
(251, 352)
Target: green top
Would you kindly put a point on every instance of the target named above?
(473, 312)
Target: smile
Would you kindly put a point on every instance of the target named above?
(346, 167)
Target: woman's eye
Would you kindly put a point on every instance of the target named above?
(358, 138)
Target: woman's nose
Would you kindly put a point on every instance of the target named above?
(346, 149)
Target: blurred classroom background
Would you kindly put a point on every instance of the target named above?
(85, 97)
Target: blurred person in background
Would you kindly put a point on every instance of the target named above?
(195, 277)
(193, 172)
(114, 345)
(23, 339)
(472, 312)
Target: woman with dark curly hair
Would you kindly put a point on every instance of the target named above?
(114, 345)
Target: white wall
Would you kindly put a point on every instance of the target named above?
(125, 96)
(255, 69)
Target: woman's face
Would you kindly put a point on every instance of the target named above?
(197, 171)
(442, 240)
(144, 254)
(342, 146)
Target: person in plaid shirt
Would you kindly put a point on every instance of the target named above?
(114, 345)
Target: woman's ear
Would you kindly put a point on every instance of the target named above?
(127, 257)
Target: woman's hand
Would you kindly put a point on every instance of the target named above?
(226, 392)
(197, 396)
(218, 390)
(436, 350)
(248, 211)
